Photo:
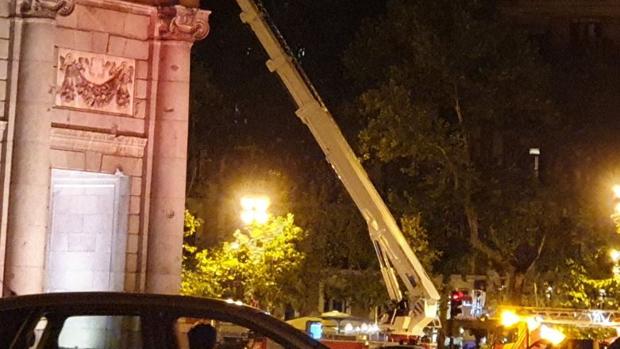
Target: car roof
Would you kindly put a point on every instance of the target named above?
(118, 299)
(82, 303)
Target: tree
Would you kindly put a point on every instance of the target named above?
(259, 267)
(210, 114)
(341, 261)
(452, 98)
(239, 137)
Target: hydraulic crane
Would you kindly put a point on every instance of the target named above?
(395, 255)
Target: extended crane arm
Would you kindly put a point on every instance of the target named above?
(395, 254)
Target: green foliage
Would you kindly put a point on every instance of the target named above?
(417, 237)
(191, 224)
(278, 156)
(452, 98)
(596, 333)
(361, 288)
(341, 258)
(580, 290)
(260, 266)
(577, 289)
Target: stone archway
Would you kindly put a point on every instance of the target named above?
(96, 86)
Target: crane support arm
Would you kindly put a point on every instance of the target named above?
(395, 255)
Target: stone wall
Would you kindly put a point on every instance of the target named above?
(5, 29)
(98, 86)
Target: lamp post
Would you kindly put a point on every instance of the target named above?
(254, 209)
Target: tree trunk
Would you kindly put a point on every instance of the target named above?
(471, 213)
(516, 288)
(519, 276)
(474, 238)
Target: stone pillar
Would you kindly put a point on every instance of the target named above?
(33, 56)
(179, 28)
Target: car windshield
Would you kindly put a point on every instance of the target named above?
(167, 324)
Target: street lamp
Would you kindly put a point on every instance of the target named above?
(536, 153)
(254, 209)
(615, 258)
(615, 216)
(616, 190)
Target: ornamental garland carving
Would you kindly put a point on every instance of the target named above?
(95, 82)
(182, 23)
(46, 8)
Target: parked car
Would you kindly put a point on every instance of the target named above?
(137, 321)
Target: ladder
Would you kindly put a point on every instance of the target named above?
(569, 316)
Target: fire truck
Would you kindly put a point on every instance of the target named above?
(532, 327)
(419, 304)
(516, 327)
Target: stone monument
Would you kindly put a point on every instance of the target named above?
(94, 99)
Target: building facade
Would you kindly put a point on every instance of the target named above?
(568, 22)
(93, 123)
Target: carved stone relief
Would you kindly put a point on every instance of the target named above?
(182, 23)
(95, 82)
(45, 8)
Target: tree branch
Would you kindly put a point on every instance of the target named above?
(474, 238)
(470, 212)
(457, 104)
(541, 245)
(450, 165)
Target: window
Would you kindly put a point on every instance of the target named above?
(226, 335)
(586, 32)
(92, 332)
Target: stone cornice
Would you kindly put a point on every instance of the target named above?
(183, 23)
(118, 5)
(78, 140)
(176, 22)
(45, 8)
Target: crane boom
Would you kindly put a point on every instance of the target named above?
(394, 253)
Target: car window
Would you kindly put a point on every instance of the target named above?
(11, 321)
(190, 333)
(34, 338)
(88, 332)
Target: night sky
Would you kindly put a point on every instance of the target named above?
(317, 31)
(264, 120)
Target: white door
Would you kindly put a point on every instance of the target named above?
(88, 232)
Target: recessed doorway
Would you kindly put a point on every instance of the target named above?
(87, 234)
